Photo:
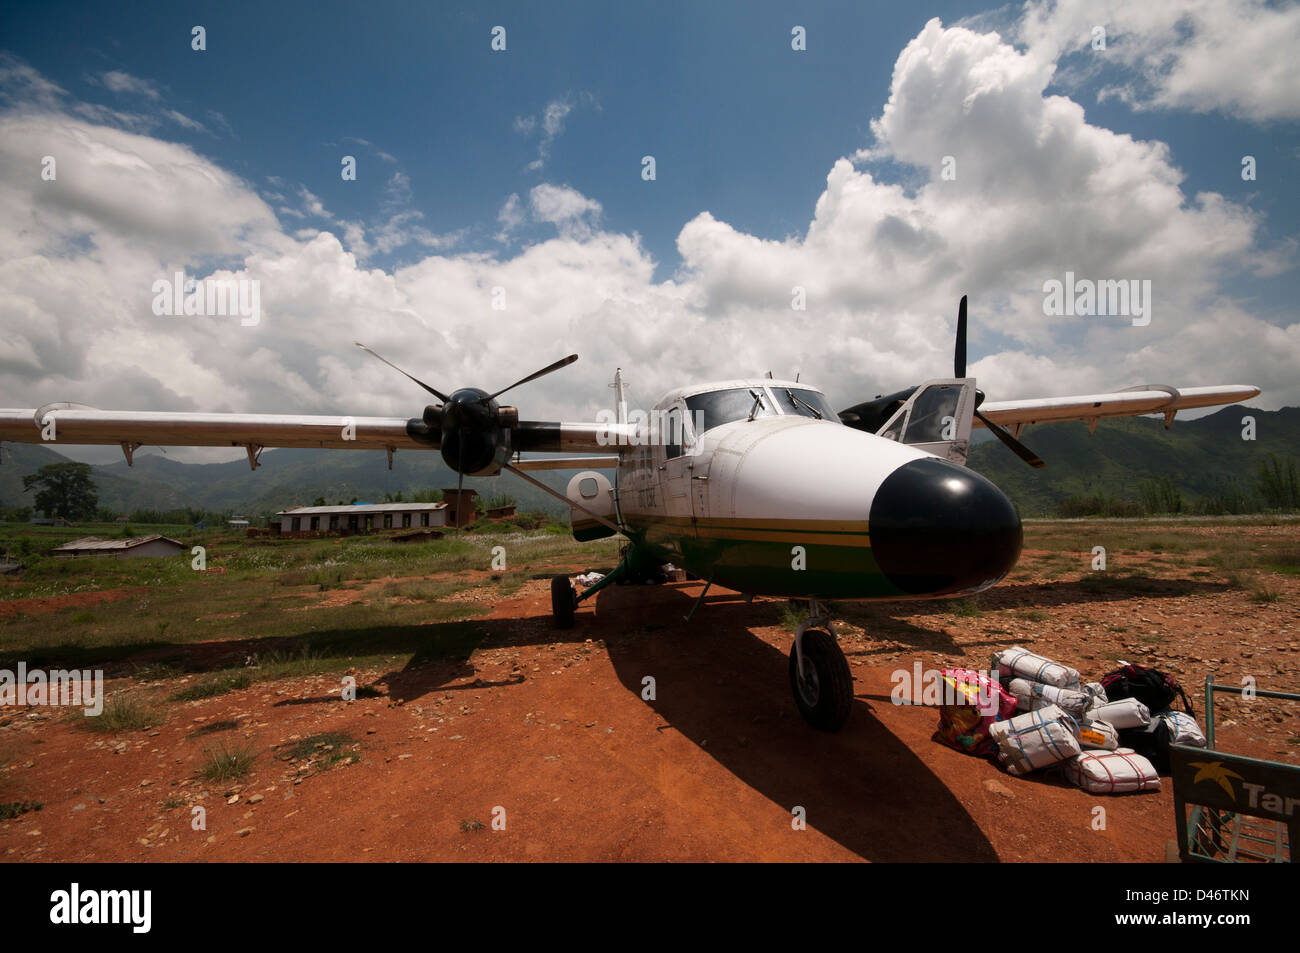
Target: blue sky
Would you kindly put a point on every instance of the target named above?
(745, 132)
(739, 124)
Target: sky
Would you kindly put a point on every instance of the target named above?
(828, 180)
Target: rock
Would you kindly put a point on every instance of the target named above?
(256, 798)
(244, 831)
(997, 787)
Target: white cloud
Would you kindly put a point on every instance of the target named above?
(1236, 56)
(117, 81)
(566, 208)
(1038, 191)
(551, 122)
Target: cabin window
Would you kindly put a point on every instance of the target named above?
(671, 437)
(588, 488)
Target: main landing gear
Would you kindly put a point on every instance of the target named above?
(819, 673)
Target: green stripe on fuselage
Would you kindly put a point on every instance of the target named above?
(838, 561)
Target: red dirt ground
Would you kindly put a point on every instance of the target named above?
(548, 730)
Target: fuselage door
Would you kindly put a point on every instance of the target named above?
(936, 418)
(676, 467)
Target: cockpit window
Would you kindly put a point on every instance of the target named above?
(805, 403)
(932, 409)
(723, 406)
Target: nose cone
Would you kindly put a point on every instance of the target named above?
(940, 529)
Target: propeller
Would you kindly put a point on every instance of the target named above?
(959, 370)
(562, 362)
(959, 351)
(472, 431)
(436, 393)
(871, 415)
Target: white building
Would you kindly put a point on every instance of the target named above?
(359, 518)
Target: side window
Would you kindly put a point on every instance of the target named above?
(929, 409)
(672, 435)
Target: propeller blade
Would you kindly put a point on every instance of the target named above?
(562, 362)
(1014, 445)
(436, 393)
(460, 472)
(959, 352)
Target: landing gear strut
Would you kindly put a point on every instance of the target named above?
(564, 600)
(819, 673)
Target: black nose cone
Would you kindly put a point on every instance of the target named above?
(940, 529)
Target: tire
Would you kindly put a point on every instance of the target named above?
(826, 701)
(564, 601)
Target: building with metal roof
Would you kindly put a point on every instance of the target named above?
(358, 518)
(131, 547)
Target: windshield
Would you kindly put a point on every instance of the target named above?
(723, 406)
(806, 403)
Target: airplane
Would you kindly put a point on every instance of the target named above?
(754, 484)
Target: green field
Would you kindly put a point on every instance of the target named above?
(263, 590)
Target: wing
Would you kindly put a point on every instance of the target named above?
(1143, 399)
(77, 425)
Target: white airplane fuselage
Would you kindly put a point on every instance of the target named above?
(778, 502)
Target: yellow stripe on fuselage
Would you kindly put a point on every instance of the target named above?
(821, 532)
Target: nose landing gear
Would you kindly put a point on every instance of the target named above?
(819, 673)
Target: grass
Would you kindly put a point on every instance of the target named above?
(12, 809)
(967, 607)
(227, 761)
(214, 685)
(325, 750)
(1264, 593)
(176, 605)
(467, 826)
(122, 712)
(793, 614)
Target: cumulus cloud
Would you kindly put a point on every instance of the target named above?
(1236, 56)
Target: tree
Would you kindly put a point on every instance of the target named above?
(64, 490)
(1278, 483)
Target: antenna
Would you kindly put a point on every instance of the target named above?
(620, 398)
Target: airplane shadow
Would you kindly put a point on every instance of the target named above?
(729, 692)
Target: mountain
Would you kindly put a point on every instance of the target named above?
(285, 478)
(1202, 458)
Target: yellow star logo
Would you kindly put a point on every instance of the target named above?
(1215, 771)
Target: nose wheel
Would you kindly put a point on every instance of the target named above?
(819, 675)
